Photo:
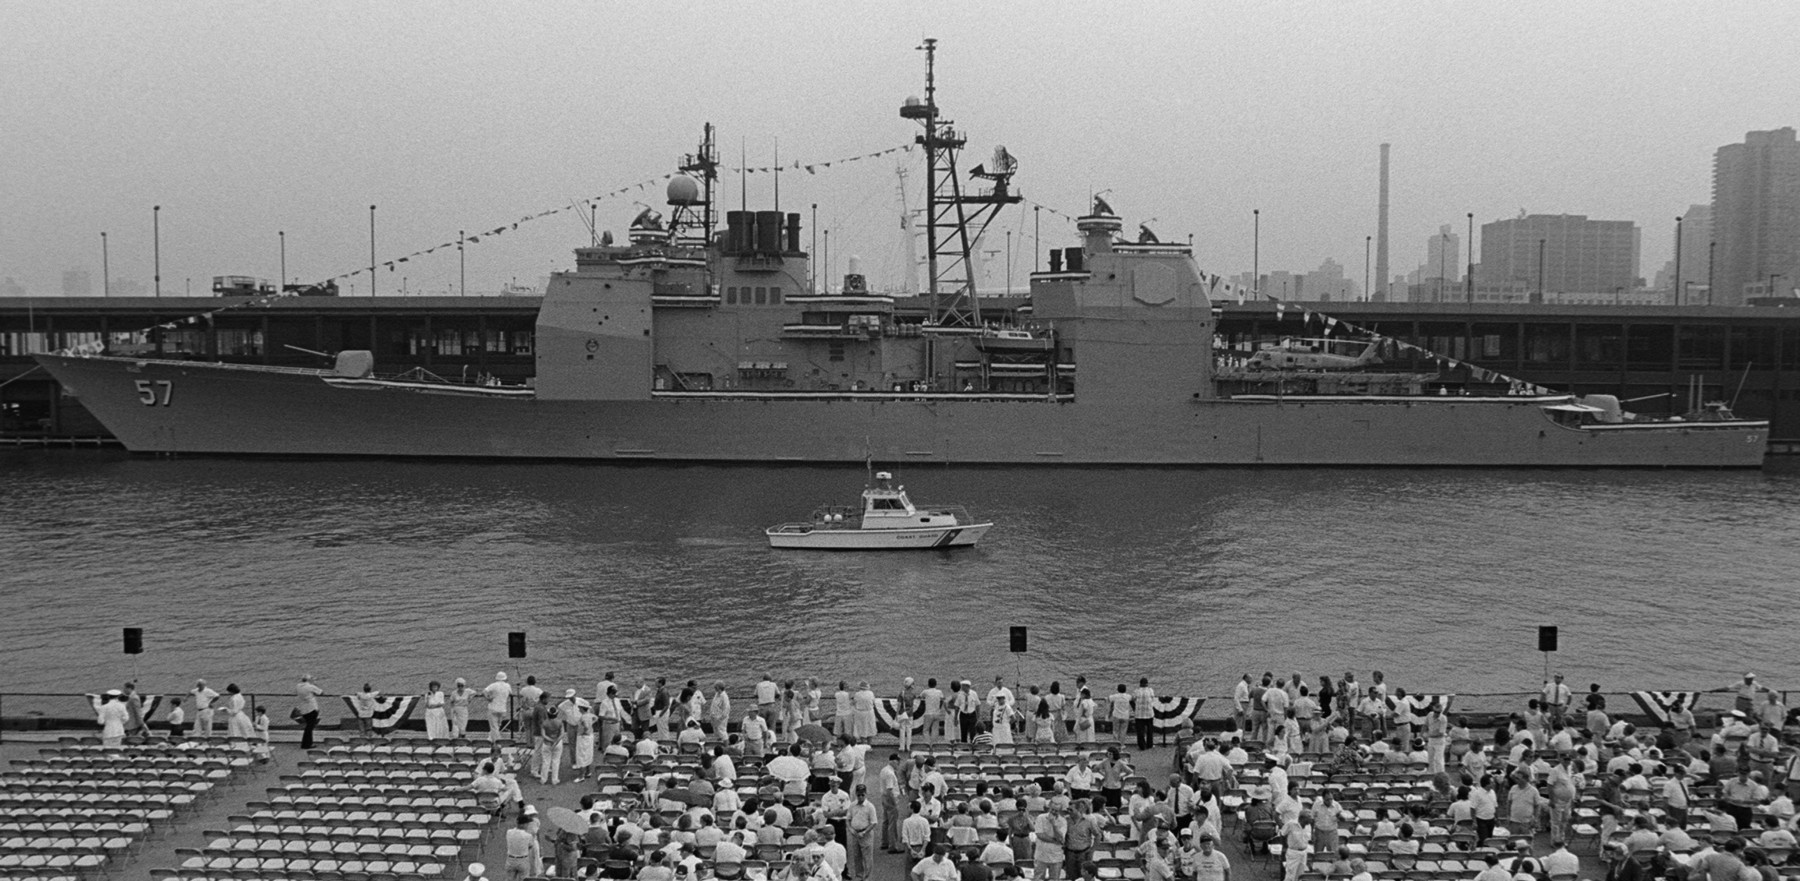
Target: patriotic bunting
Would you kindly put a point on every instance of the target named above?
(1660, 705)
(1170, 713)
(1413, 708)
(390, 711)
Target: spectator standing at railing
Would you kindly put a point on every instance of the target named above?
(177, 718)
(306, 703)
(1085, 711)
(766, 694)
(499, 704)
(1118, 712)
(1555, 698)
(437, 713)
(718, 710)
(237, 708)
(113, 717)
(138, 726)
(362, 703)
(204, 697)
(461, 696)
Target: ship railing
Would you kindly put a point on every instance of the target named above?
(42, 716)
(958, 511)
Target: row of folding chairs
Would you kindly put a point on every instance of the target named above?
(462, 829)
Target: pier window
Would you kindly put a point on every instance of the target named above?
(1753, 348)
(1650, 347)
(1599, 345)
(239, 343)
(1702, 347)
(184, 342)
(1497, 343)
(1547, 343)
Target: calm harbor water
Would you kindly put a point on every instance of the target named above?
(254, 571)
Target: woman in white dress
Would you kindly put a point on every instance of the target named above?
(437, 717)
(459, 707)
(237, 717)
(584, 742)
(1059, 705)
(862, 713)
(1084, 717)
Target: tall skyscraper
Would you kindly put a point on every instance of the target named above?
(1381, 234)
(1578, 255)
(1696, 241)
(1755, 216)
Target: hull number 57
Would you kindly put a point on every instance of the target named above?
(154, 393)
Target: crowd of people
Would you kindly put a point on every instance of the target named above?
(1516, 785)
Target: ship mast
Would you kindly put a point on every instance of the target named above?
(949, 240)
(704, 165)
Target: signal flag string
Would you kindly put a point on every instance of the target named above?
(93, 348)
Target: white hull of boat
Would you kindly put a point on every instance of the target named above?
(824, 539)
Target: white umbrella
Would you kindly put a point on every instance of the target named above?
(791, 769)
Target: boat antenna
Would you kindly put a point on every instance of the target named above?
(777, 173)
(1740, 388)
(743, 175)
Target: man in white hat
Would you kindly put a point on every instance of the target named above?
(499, 697)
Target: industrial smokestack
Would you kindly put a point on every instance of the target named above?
(1379, 294)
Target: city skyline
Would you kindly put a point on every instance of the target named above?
(451, 123)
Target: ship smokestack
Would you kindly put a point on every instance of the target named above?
(1379, 294)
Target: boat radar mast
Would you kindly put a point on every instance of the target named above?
(954, 219)
(691, 192)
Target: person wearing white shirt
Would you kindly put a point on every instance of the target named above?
(1560, 863)
(112, 715)
(938, 867)
(915, 832)
(1118, 712)
(892, 794)
(203, 708)
(999, 691)
(1143, 710)
(499, 697)
(766, 692)
(1240, 701)
(931, 704)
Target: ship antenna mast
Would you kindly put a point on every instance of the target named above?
(948, 239)
(704, 164)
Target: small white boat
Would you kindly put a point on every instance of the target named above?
(888, 521)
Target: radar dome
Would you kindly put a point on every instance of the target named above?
(684, 190)
(912, 101)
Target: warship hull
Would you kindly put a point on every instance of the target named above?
(180, 407)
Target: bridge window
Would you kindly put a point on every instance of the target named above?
(762, 296)
(731, 295)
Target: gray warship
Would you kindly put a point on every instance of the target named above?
(693, 341)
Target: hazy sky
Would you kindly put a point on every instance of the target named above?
(244, 119)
